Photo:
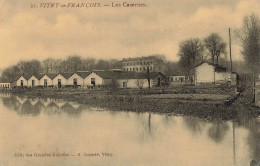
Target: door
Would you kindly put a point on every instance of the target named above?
(59, 83)
(75, 82)
(21, 83)
(33, 83)
(124, 85)
(159, 81)
(93, 81)
(45, 83)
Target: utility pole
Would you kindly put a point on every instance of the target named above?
(230, 50)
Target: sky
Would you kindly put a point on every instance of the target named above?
(109, 32)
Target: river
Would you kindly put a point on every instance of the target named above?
(48, 132)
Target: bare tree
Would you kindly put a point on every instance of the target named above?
(249, 36)
(216, 46)
(191, 53)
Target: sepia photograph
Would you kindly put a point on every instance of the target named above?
(130, 83)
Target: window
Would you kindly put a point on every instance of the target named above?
(133, 69)
(126, 69)
(137, 69)
(130, 68)
(21, 83)
(140, 68)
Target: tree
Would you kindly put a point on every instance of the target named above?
(30, 67)
(72, 64)
(191, 53)
(249, 36)
(216, 46)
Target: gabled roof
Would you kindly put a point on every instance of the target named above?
(66, 75)
(217, 67)
(15, 77)
(38, 76)
(51, 75)
(11, 79)
(83, 74)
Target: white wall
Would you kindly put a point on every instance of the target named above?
(49, 81)
(221, 76)
(5, 85)
(18, 82)
(36, 81)
(63, 80)
(79, 80)
(98, 80)
(204, 73)
(132, 83)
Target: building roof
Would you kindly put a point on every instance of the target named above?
(50, 75)
(66, 75)
(106, 74)
(38, 76)
(15, 77)
(83, 74)
(217, 67)
(142, 59)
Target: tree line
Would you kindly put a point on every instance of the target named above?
(51, 65)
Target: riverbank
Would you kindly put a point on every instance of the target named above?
(211, 104)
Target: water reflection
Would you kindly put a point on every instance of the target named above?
(34, 106)
(253, 138)
(196, 126)
(134, 138)
(218, 131)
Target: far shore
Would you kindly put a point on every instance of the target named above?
(213, 104)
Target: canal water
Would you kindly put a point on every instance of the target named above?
(47, 132)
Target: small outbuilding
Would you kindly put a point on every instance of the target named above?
(60, 80)
(47, 79)
(208, 73)
(99, 78)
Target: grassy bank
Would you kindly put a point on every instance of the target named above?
(205, 103)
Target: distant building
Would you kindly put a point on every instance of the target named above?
(208, 73)
(4, 84)
(141, 64)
